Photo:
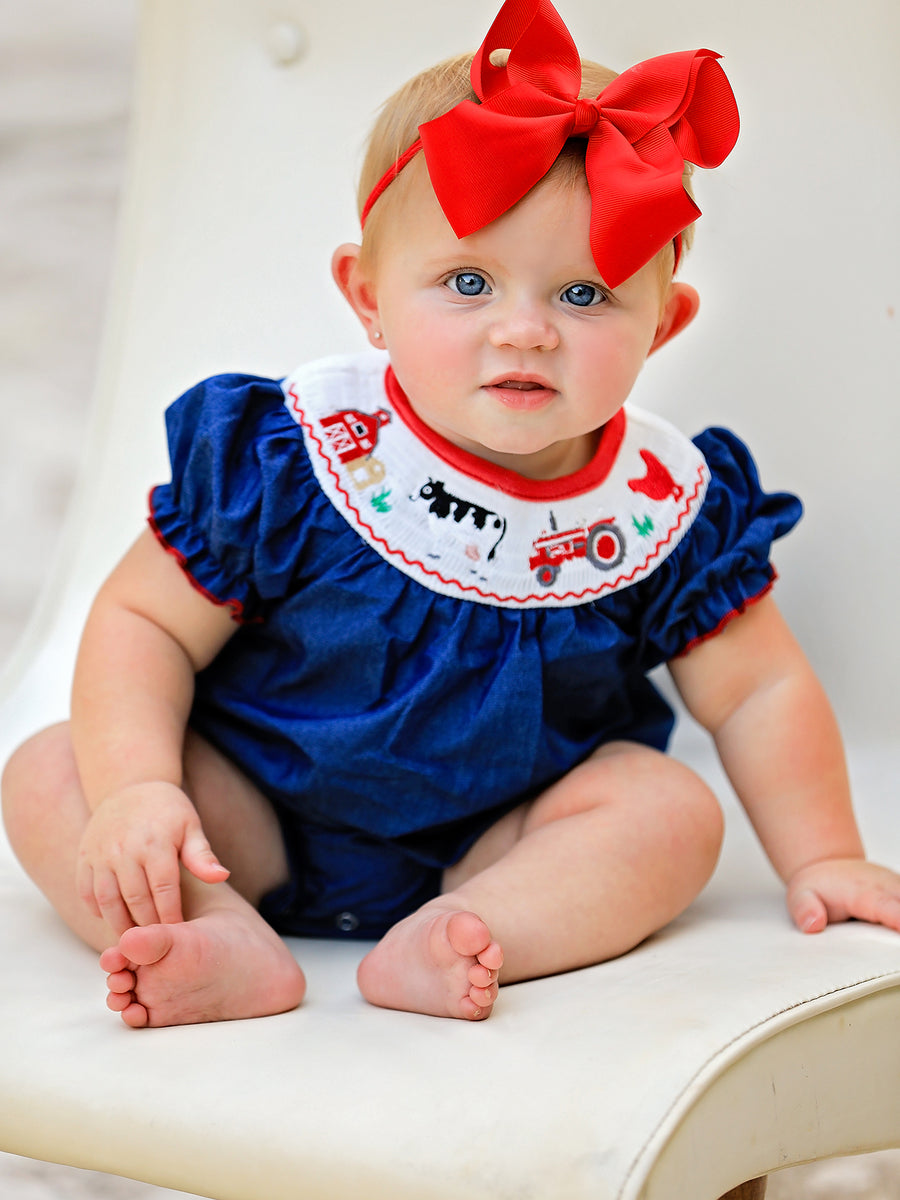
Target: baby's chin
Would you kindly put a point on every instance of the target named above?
(539, 459)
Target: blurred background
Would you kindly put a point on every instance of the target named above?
(65, 78)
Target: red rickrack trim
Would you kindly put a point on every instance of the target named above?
(235, 606)
(458, 585)
(729, 617)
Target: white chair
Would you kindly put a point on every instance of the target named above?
(729, 1045)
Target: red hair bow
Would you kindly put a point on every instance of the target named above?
(483, 158)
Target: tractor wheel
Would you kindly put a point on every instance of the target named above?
(605, 546)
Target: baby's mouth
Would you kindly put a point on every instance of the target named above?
(523, 394)
(520, 382)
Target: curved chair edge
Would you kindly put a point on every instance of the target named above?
(784, 1101)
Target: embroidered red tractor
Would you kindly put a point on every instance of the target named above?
(602, 544)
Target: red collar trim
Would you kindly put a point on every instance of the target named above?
(503, 480)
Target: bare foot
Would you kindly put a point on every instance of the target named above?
(221, 966)
(438, 961)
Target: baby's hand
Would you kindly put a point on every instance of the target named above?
(128, 869)
(844, 888)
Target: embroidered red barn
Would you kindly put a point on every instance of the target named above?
(658, 484)
(353, 434)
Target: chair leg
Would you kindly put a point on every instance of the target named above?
(753, 1189)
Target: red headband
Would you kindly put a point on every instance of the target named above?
(483, 158)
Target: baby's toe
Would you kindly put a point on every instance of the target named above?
(483, 997)
(121, 981)
(474, 1012)
(491, 957)
(119, 1001)
(481, 976)
(113, 960)
(467, 934)
(136, 1016)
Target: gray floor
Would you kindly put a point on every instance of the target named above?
(65, 72)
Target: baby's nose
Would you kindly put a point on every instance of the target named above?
(525, 327)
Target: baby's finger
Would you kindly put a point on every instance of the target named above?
(808, 912)
(164, 880)
(136, 894)
(878, 906)
(84, 885)
(199, 859)
(109, 901)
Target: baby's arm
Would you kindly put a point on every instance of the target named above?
(754, 690)
(148, 632)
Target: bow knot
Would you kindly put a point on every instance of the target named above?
(587, 114)
(483, 158)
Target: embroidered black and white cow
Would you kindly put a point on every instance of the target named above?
(482, 529)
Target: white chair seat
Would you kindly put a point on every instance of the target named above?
(725, 1047)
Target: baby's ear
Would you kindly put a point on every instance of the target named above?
(679, 310)
(357, 289)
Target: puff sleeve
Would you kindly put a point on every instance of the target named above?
(722, 564)
(233, 511)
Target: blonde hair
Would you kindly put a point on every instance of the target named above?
(429, 95)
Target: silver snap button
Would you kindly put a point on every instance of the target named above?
(347, 922)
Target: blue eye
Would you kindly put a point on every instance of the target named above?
(583, 295)
(468, 283)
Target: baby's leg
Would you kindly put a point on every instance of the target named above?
(605, 857)
(223, 961)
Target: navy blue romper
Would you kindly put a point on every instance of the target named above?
(426, 640)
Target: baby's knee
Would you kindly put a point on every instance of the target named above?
(679, 801)
(37, 773)
(699, 815)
